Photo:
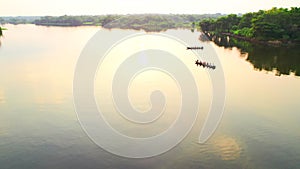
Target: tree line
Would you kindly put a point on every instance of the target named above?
(148, 22)
(266, 25)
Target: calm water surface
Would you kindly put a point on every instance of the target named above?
(39, 127)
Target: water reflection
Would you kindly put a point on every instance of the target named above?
(38, 124)
(1, 34)
(282, 60)
(2, 97)
(227, 148)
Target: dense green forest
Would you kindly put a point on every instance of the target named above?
(279, 24)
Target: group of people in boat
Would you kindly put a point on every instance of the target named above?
(200, 63)
(205, 64)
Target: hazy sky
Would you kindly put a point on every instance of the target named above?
(95, 7)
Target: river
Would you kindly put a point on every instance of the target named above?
(39, 126)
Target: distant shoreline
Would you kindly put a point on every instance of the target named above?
(147, 22)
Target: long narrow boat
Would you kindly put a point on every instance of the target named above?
(194, 48)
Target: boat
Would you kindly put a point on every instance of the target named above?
(194, 48)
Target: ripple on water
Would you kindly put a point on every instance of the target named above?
(227, 148)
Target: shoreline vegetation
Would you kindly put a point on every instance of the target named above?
(147, 22)
(277, 26)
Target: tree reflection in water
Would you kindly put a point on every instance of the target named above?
(1, 34)
(285, 60)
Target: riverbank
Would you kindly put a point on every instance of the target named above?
(254, 40)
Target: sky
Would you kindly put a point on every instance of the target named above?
(98, 7)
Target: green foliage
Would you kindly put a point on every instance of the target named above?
(222, 24)
(274, 24)
(246, 32)
(246, 20)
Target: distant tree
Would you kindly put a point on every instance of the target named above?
(2, 21)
